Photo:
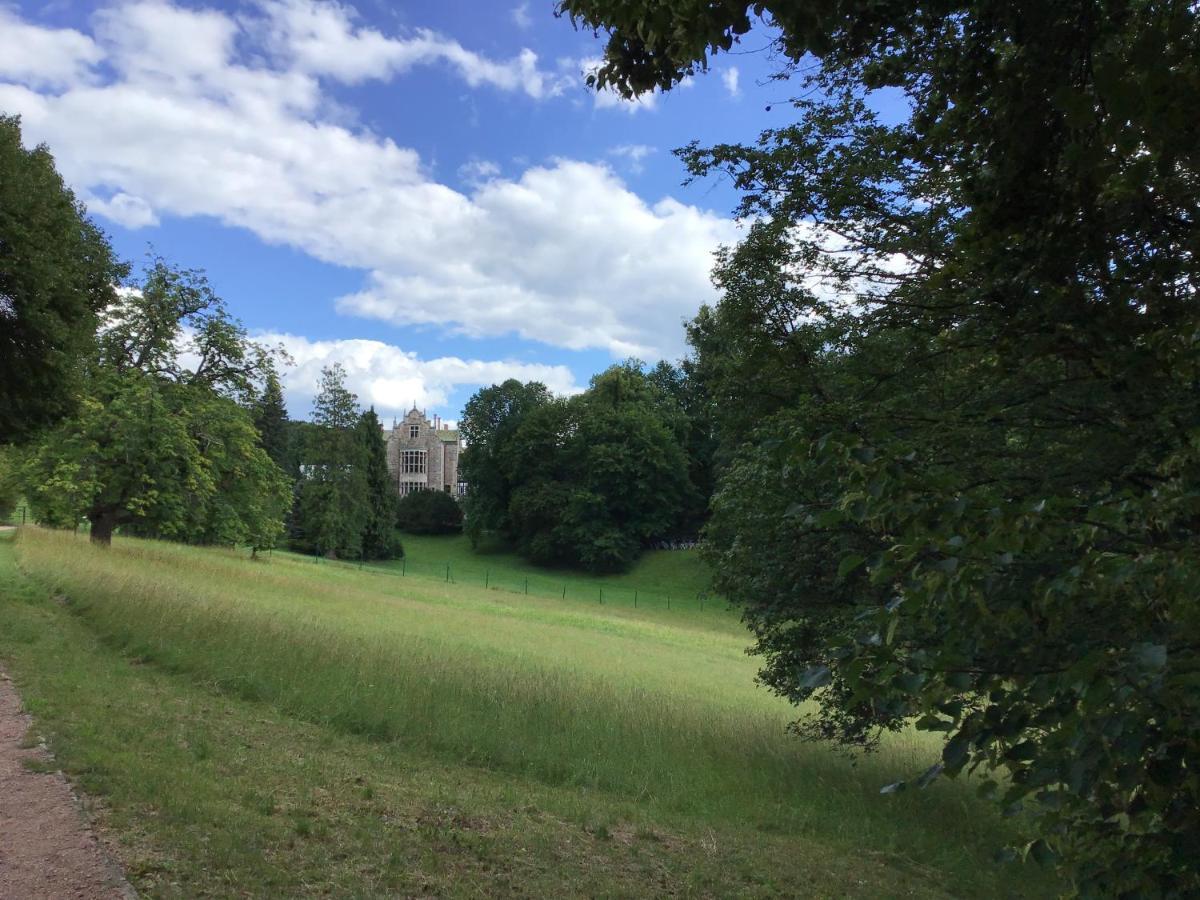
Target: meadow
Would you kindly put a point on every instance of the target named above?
(286, 726)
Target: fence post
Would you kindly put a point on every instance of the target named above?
(403, 565)
(635, 598)
(601, 596)
(22, 515)
(487, 574)
(564, 592)
(447, 573)
(668, 601)
(526, 587)
(361, 553)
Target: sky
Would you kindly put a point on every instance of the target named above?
(426, 192)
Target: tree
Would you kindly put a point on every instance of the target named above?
(488, 422)
(429, 512)
(586, 481)
(963, 349)
(270, 418)
(333, 504)
(160, 443)
(57, 273)
(379, 530)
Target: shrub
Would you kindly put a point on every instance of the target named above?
(429, 512)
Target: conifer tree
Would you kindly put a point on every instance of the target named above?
(379, 532)
(332, 508)
(270, 417)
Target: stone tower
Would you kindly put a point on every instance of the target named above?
(423, 455)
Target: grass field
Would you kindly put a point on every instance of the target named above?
(660, 579)
(288, 727)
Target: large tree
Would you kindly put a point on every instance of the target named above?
(163, 441)
(57, 274)
(588, 480)
(333, 507)
(963, 351)
(379, 529)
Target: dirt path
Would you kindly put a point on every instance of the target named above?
(46, 851)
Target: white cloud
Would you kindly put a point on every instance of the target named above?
(566, 255)
(730, 78)
(478, 171)
(195, 123)
(520, 15)
(392, 380)
(132, 212)
(321, 38)
(633, 154)
(45, 57)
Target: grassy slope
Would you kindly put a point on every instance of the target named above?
(656, 576)
(310, 728)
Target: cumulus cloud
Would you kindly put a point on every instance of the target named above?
(45, 57)
(132, 212)
(190, 120)
(392, 379)
(322, 38)
(730, 79)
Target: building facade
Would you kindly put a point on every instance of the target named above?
(422, 455)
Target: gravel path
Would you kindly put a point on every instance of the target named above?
(46, 850)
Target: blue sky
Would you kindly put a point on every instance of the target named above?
(430, 196)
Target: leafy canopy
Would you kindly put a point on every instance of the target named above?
(956, 364)
(585, 481)
(57, 274)
(162, 442)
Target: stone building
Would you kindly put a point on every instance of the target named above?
(423, 455)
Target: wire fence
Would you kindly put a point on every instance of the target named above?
(546, 586)
(506, 580)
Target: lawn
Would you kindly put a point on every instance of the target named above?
(289, 727)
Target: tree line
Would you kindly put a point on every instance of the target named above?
(138, 403)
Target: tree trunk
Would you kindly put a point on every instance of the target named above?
(103, 525)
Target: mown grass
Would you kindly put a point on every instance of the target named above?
(612, 708)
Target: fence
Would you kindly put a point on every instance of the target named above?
(19, 515)
(538, 585)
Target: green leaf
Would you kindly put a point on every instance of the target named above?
(848, 564)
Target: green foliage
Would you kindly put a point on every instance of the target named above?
(586, 481)
(333, 507)
(159, 444)
(271, 420)
(10, 489)
(489, 420)
(429, 512)
(956, 362)
(379, 532)
(57, 273)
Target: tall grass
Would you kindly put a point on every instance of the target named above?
(666, 717)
